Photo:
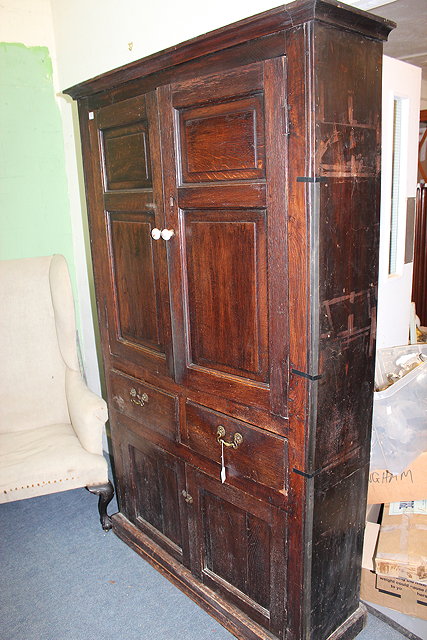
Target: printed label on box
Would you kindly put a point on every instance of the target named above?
(408, 506)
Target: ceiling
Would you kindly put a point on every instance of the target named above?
(408, 41)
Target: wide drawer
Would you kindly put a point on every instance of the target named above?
(153, 407)
(253, 453)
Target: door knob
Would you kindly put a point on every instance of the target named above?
(187, 497)
(167, 234)
(156, 234)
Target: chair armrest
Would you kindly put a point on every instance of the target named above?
(88, 412)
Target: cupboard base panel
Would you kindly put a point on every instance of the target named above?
(352, 626)
(227, 615)
(230, 617)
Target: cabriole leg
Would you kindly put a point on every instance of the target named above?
(105, 493)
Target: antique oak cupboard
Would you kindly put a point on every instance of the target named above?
(232, 187)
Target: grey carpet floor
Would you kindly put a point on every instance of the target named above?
(63, 578)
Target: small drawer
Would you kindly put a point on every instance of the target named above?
(253, 453)
(155, 409)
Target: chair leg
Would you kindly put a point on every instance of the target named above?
(105, 493)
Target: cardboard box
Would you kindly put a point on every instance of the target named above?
(411, 484)
(401, 595)
(402, 541)
(405, 596)
(370, 545)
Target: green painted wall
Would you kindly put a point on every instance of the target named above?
(34, 205)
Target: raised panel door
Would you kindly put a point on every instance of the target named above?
(155, 503)
(225, 135)
(129, 206)
(241, 548)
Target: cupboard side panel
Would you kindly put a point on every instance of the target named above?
(338, 529)
(346, 215)
(348, 163)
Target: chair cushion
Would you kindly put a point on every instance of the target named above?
(45, 460)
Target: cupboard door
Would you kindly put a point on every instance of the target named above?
(226, 136)
(128, 207)
(240, 548)
(156, 504)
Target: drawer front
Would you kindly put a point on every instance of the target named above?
(152, 407)
(254, 454)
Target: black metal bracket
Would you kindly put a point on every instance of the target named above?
(306, 475)
(305, 375)
(311, 179)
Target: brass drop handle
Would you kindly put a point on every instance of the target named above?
(237, 438)
(136, 398)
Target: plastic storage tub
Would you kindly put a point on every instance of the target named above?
(399, 425)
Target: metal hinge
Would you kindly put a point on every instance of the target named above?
(286, 110)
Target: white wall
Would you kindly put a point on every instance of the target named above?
(403, 80)
(28, 22)
(93, 37)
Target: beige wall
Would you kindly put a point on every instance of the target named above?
(28, 22)
(93, 37)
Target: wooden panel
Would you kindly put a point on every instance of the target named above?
(153, 407)
(419, 282)
(348, 231)
(123, 112)
(276, 120)
(261, 457)
(126, 157)
(223, 141)
(237, 195)
(125, 201)
(242, 549)
(230, 339)
(352, 100)
(130, 270)
(341, 150)
(227, 293)
(135, 279)
(232, 556)
(338, 528)
(347, 314)
(244, 79)
(347, 218)
(158, 479)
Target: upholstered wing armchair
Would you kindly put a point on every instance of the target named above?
(50, 423)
